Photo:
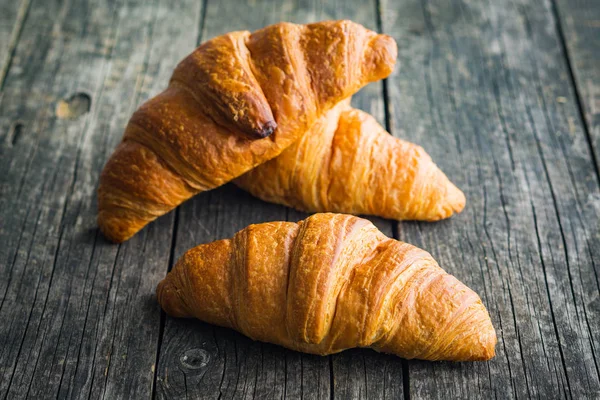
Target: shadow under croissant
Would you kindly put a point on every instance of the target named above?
(197, 351)
(210, 357)
(220, 213)
(198, 220)
(242, 209)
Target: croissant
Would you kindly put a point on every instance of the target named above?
(237, 101)
(329, 283)
(349, 163)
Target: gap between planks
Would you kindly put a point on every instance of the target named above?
(13, 40)
(163, 315)
(577, 93)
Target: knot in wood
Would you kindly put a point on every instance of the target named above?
(194, 359)
(74, 107)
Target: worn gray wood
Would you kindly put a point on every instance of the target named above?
(485, 88)
(12, 15)
(237, 366)
(579, 21)
(78, 314)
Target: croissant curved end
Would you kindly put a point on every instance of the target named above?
(483, 343)
(381, 56)
(477, 338)
(117, 225)
(455, 198)
(267, 129)
(446, 198)
(170, 300)
(487, 340)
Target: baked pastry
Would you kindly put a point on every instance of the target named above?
(329, 283)
(348, 163)
(237, 101)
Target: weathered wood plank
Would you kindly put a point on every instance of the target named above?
(238, 367)
(580, 29)
(12, 15)
(481, 88)
(79, 317)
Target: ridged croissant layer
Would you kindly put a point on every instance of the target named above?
(329, 283)
(237, 101)
(349, 163)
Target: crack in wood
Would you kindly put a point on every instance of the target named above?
(482, 90)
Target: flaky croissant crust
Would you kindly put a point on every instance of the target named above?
(329, 283)
(349, 163)
(237, 101)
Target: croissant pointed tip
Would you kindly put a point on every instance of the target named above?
(169, 299)
(486, 344)
(267, 129)
(381, 56)
(480, 337)
(456, 198)
(449, 199)
(113, 227)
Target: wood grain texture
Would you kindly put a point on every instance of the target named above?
(79, 317)
(480, 89)
(12, 15)
(579, 22)
(239, 367)
(485, 87)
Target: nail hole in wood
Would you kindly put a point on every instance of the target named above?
(16, 130)
(415, 30)
(73, 107)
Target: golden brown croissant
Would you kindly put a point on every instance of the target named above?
(213, 122)
(329, 283)
(349, 163)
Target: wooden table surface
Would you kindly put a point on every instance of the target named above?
(504, 95)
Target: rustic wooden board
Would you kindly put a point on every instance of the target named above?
(78, 314)
(12, 15)
(482, 88)
(580, 30)
(200, 360)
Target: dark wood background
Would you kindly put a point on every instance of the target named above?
(504, 95)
